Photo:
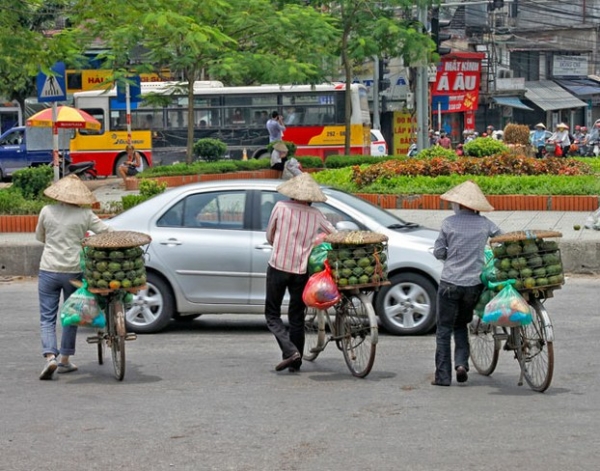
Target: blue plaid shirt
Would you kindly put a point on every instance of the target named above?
(460, 245)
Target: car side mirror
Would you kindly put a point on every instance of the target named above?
(346, 226)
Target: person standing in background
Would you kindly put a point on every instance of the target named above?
(61, 228)
(275, 127)
(460, 245)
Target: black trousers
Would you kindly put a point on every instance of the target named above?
(290, 338)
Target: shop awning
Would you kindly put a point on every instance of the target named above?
(550, 96)
(512, 101)
(580, 87)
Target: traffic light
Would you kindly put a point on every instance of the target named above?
(384, 70)
(437, 34)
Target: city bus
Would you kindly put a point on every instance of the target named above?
(314, 117)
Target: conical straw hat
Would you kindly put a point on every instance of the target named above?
(70, 190)
(302, 188)
(469, 195)
(280, 147)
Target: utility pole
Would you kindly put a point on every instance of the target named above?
(422, 92)
(375, 91)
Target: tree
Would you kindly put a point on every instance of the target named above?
(238, 41)
(368, 28)
(27, 43)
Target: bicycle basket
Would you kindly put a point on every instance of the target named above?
(358, 259)
(534, 262)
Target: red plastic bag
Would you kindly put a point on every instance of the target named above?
(321, 292)
(558, 151)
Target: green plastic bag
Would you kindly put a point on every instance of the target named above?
(82, 308)
(317, 258)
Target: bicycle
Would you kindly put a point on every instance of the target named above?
(532, 344)
(352, 326)
(115, 334)
(114, 269)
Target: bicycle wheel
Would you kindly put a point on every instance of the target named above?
(536, 350)
(358, 333)
(116, 335)
(484, 346)
(314, 333)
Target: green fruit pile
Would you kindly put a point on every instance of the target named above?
(361, 264)
(114, 268)
(533, 263)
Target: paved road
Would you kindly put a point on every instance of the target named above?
(205, 397)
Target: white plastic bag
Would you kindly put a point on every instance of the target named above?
(291, 169)
(593, 220)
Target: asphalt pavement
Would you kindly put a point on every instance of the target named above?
(19, 252)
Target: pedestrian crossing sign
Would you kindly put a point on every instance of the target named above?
(52, 87)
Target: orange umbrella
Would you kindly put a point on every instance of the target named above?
(67, 117)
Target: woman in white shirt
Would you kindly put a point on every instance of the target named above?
(61, 228)
(561, 137)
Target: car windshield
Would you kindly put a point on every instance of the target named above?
(382, 216)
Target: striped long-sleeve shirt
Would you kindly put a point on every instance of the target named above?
(291, 231)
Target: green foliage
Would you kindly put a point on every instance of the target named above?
(437, 151)
(129, 201)
(32, 181)
(150, 188)
(210, 150)
(13, 202)
(340, 161)
(310, 162)
(484, 146)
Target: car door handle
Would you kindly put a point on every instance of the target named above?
(171, 242)
(266, 246)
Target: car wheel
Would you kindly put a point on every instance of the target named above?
(407, 306)
(152, 308)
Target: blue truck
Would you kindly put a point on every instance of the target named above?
(22, 147)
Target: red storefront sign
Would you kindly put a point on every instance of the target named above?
(456, 87)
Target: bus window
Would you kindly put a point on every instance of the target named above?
(99, 115)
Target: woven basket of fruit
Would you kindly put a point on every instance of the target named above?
(358, 259)
(530, 259)
(115, 260)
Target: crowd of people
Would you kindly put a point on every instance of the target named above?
(579, 141)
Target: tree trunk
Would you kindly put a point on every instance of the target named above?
(189, 154)
(348, 94)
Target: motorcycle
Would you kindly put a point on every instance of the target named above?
(84, 170)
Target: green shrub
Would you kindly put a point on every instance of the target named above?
(209, 149)
(252, 164)
(32, 181)
(341, 161)
(484, 147)
(437, 151)
(150, 188)
(129, 201)
(310, 162)
(13, 202)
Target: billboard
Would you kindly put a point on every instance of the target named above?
(456, 86)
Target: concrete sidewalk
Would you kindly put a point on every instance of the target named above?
(580, 249)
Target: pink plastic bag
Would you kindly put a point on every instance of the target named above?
(321, 291)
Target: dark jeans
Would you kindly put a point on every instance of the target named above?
(290, 339)
(455, 305)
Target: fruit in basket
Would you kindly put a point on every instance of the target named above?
(114, 284)
(346, 272)
(542, 282)
(107, 276)
(364, 262)
(501, 275)
(526, 273)
(530, 247)
(513, 274)
(127, 265)
(120, 275)
(103, 284)
(96, 275)
(114, 267)
(101, 266)
(513, 249)
(518, 284)
(116, 255)
(343, 282)
(554, 269)
(369, 270)
(353, 280)
(548, 244)
(357, 271)
(529, 283)
(349, 263)
(535, 261)
(99, 255)
(505, 264)
(551, 258)
(138, 262)
(499, 251)
(359, 253)
(363, 279)
(126, 283)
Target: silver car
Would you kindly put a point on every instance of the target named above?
(209, 254)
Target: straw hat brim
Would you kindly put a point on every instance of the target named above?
(70, 190)
(562, 126)
(280, 147)
(302, 188)
(540, 125)
(469, 195)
